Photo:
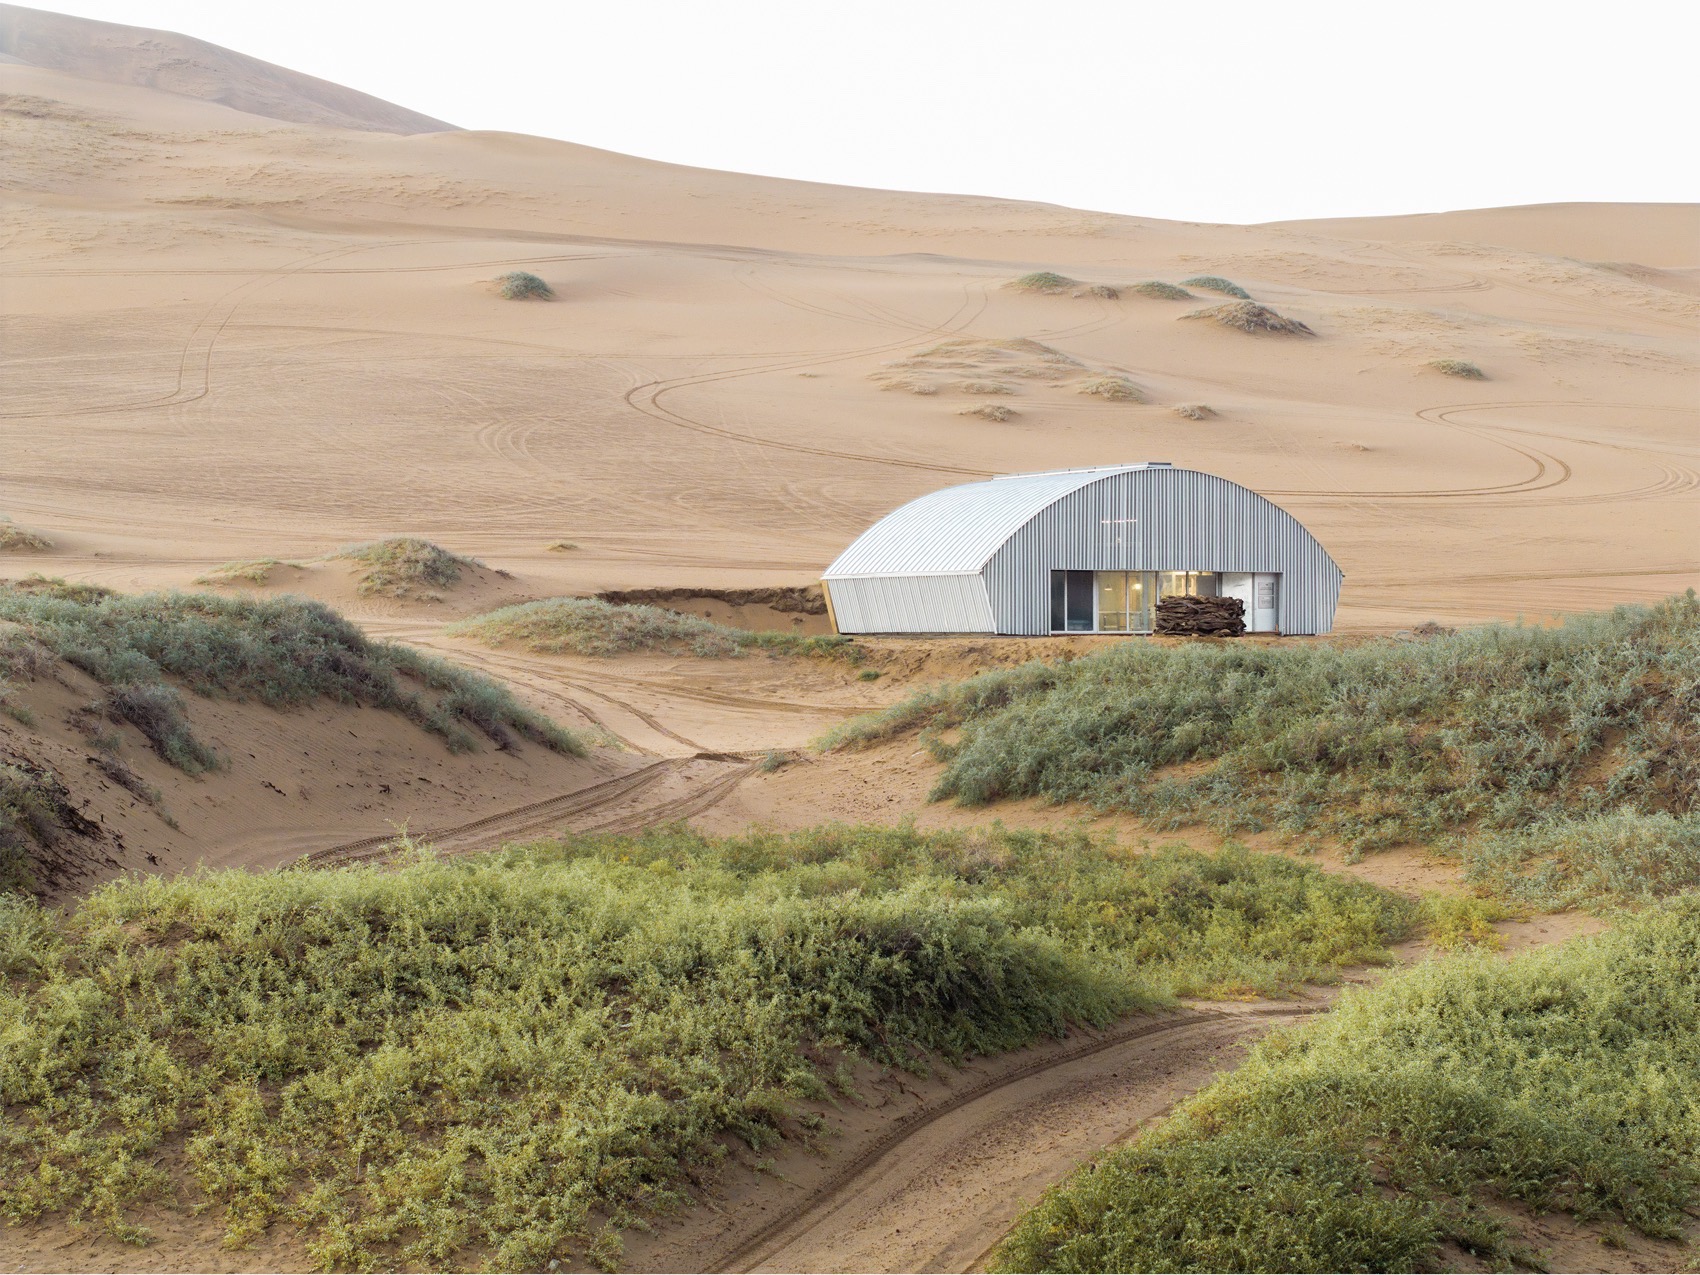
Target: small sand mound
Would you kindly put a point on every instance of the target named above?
(1103, 291)
(1216, 283)
(406, 567)
(16, 539)
(1457, 367)
(1160, 291)
(1248, 316)
(990, 412)
(1195, 411)
(1046, 281)
(1118, 389)
(257, 571)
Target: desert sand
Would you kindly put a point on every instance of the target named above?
(248, 314)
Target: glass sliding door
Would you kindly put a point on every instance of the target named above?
(1072, 602)
(1124, 602)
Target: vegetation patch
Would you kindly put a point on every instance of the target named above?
(1047, 281)
(1612, 857)
(1498, 729)
(481, 1059)
(1564, 1080)
(1194, 411)
(1102, 291)
(521, 285)
(590, 626)
(16, 539)
(257, 571)
(281, 652)
(406, 567)
(1117, 389)
(1249, 316)
(561, 546)
(1216, 283)
(1457, 367)
(1159, 291)
(991, 412)
(983, 387)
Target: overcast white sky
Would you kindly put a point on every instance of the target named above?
(1209, 110)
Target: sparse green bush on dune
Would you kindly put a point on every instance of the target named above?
(1388, 742)
(282, 652)
(521, 285)
(590, 626)
(1044, 281)
(255, 571)
(1457, 367)
(483, 1057)
(16, 539)
(406, 567)
(1160, 291)
(1216, 283)
(1565, 1080)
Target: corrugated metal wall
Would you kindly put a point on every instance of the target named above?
(1160, 519)
(911, 604)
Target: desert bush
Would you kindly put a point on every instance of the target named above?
(1457, 367)
(983, 387)
(590, 626)
(1117, 389)
(1102, 291)
(282, 652)
(991, 412)
(519, 285)
(1044, 281)
(255, 571)
(1216, 283)
(483, 1058)
(1160, 291)
(405, 566)
(1248, 316)
(1387, 742)
(1564, 1080)
(1614, 857)
(1194, 411)
(16, 539)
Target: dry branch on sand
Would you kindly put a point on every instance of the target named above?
(1248, 316)
(1201, 617)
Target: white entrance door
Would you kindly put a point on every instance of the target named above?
(1263, 615)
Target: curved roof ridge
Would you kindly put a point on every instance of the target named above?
(956, 530)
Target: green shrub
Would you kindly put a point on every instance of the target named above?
(1161, 291)
(1566, 1080)
(16, 539)
(1387, 742)
(491, 1055)
(1044, 281)
(282, 652)
(519, 285)
(590, 626)
(1216, 283)
(1624, 856)
(1457, 367)
(405, 566)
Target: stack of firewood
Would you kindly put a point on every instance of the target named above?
(1201, 617)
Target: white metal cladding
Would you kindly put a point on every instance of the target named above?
(1158, 518)
(911, 604)
(910, 572)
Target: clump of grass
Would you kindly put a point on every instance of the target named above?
(1117, 389)
(406, 567)
(1612, 857)
(991, 412)
(38, 585)
(1249, 316)
(983, 387)
(1457, 367)
(1453, 921)
(520, 285)
(561, 546)
(1194, 411)
(590, 626)
(1216, 283)
(257, 571)
(1563, 1080)
(16, 539)
(480, 1059)
(281, 652)
(1103, 291)
(1160, 291)
(910, 385)
(1043, 281)
(1502, 728)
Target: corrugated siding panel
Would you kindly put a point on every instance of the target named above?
(911, 604)
(1182, 521)
(956, 529)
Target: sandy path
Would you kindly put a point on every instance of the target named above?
(937, 1187)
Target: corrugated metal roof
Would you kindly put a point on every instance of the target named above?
(958, 529)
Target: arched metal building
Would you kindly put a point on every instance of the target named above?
(1081, 551)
